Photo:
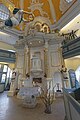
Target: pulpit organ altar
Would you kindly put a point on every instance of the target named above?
(34, 50)
(37, 56)
(34, 53)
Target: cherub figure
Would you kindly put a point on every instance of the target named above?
(17, 18)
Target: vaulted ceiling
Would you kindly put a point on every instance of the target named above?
(60, 6)
(54, 12)
(51, 9)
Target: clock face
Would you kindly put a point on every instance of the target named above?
(69, 1)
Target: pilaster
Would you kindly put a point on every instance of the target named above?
(46, 66)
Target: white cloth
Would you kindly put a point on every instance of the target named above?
(17, 18)
(14, 21)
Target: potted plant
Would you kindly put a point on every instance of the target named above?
(47, 98)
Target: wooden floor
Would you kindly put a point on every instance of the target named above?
(11, 108)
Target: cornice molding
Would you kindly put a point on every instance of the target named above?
(39, 39)
(13, 31)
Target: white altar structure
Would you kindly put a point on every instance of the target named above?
(39, 60)
(31, 87)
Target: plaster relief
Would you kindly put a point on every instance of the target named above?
(37, 5)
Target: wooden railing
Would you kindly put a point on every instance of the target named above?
(72, 107)
(2, 85)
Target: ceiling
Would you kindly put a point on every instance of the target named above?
(51, 10)
(72, 25)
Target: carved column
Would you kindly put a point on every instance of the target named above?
(16, 54)
(26, 50)
(26, 60)
(46, 70)
(52, 10)
(29, 61)
(20, 60)
(61, 56)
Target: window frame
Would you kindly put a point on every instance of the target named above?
(4, 12)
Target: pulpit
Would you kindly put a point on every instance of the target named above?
(36, 70)
(36, 64)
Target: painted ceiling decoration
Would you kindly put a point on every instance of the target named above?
(46, 12)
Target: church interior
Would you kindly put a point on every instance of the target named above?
(40, 59)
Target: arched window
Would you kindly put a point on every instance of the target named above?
(4, 12)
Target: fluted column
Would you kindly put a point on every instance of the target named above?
(52, 10)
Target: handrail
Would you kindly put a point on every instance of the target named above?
(75, 103)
